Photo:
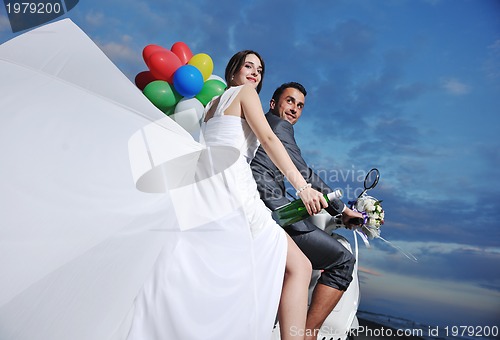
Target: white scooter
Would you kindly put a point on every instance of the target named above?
(342, 322)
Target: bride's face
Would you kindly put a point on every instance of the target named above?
(250, 72)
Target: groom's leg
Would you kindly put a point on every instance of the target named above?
(323, 301)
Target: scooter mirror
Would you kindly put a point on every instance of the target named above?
(371, 179)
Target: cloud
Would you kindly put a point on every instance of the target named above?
(443, 249)
(472, 266)
(347, 40)
(491, 65)
(95, 19)
(495, 47)
(120, 50)
(433, 301)
(455, 87)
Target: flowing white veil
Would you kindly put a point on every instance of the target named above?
(94, 183)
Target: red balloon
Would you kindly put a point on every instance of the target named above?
(182, 51)
(149, 50)
(143, 78)
(163, 65)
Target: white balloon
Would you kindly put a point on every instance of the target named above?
(188, 114)
(213, 76)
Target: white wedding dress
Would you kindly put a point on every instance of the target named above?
(115, 223)
(219, 298)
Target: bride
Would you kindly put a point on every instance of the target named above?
(236, 119)
(86, 254)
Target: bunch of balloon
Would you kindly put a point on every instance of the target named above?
(179, 83)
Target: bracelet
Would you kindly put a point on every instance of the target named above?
(308, 185)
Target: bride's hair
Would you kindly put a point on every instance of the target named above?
(236, 63)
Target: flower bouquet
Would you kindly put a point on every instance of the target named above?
(373, 215)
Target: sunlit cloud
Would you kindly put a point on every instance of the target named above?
(368, 271)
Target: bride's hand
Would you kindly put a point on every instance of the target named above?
(313, 200)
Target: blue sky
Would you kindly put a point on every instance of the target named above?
(409, 86)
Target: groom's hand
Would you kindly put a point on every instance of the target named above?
(351, 218)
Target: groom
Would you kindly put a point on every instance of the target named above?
(324, 252)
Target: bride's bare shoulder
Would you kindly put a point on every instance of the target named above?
(248, 90)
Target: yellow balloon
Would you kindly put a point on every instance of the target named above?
(204, 63)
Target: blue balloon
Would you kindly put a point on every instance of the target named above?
(188, 81)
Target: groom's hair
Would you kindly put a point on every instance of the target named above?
(277, 93)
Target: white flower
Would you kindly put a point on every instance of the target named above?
(369, 206)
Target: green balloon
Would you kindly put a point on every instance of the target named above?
(210, 89)
(162, 95)
(169, 111)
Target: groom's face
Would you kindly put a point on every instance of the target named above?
(289, 106)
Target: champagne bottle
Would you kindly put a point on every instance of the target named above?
(296, 211)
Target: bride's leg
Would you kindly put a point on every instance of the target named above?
(292, 310)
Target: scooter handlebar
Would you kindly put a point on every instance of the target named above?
(355, 221)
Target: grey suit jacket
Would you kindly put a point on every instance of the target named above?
(270, 181)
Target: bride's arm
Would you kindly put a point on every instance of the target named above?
(252, 111)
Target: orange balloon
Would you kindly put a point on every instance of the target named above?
(182, 51)
(163, 65)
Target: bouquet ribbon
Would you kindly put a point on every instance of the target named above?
(362, 234)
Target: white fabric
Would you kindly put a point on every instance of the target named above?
(251, 294)
(103, 197)
(239, 136)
